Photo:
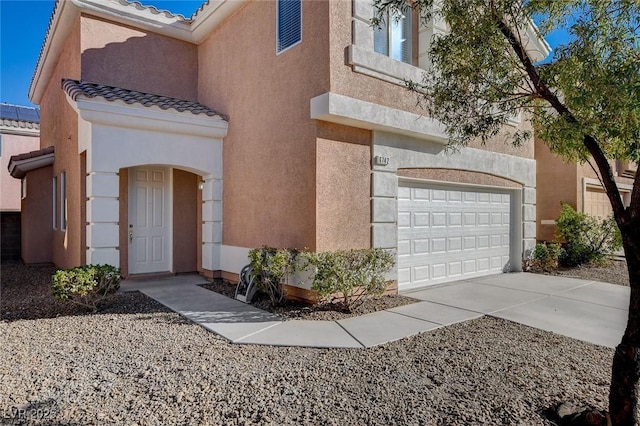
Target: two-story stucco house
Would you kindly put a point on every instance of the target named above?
(180, 144)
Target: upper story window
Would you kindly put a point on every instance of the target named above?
(289, 23)
(394, 37)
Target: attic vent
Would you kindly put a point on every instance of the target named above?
(289, 23)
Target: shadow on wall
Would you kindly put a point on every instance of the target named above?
(151, 63)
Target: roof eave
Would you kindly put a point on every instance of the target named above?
(536, 46)
(211, 16)
(64, 15)
(19, 131)
(19, 168)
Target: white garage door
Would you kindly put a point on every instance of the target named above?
(450, 232)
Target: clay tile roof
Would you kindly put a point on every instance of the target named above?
(152, 9)
(200, 9)
(32, 154)
(18, 117)
(86, 89)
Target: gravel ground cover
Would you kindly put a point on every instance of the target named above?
(614, 273)
(134, 362)
(320, 311)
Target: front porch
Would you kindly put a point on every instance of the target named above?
(153, 186)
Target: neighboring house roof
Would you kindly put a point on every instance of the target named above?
(76, 89)
(20, 164)
(19, 120)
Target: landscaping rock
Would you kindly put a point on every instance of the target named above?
(129, 363)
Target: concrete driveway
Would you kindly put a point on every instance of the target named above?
(591, 311)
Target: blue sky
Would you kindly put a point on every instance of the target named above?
(23, 24)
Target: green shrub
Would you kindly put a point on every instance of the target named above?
(586, 238)
(85, 285)
(272, 267)
(347, 276)
(545, 256)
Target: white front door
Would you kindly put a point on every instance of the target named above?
(149, 227)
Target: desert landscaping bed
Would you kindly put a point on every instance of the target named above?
(291, 309)
(134, 362)
(614, 273)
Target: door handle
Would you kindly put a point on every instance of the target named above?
(130, 236)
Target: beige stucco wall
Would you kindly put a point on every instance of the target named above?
(346, 82)
(10, 187)
(557, 182)
(185, 227)
(37, 217)
(125, 57)
(343, 176)
(59, 127)
(270, 152)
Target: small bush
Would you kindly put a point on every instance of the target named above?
(85, 285)
(273, 267)
(545, 256)
(349, 275)
(587, 239)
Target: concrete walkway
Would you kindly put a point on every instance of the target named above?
(585, 310)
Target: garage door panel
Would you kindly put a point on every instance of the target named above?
(452, 233)
(455, 269)
(404, 219)
(439, 219)
(424, 245)
(438, 245)
(454, 244)
(404, 193)
(454, 196)
(420, 194)
(421, 219)
(404, 247)
(404, 275)
(470, 266)
(455, 219)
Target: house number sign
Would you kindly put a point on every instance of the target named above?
(379, 160)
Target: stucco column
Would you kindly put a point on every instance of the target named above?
(528, 220)
(211, 223)
(102, 218)
(384, 208)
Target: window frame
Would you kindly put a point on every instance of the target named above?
(282, 50)
(23, 188)
(54, 201)
(414, 23)
(63, 201)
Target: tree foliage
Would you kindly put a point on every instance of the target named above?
(584, 101)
